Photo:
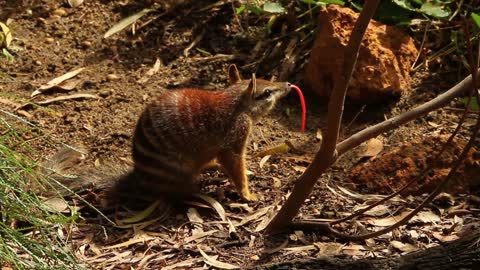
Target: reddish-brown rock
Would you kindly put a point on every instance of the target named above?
(383, 65)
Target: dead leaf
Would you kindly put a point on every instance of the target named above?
(199, 235)
(328, 249)
(425, 217)
(403, 247)
(215, 204)
(372, 148)
(299, 168)
(243, 206)
(57, 82)
(151, 72)
(265, 220)
(7, 34)
(211, 261)
(422, 217)
(264, 160)
(75, 3)
(68, 97)
(445, 238)
(57, 204)
(277, 183)
(377, 211)
(253, 216)
(184, 263)
(354, 250)
(142, 238)
(367, 197)
(194, 216)
(142, 215)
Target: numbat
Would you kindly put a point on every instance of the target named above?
(183, 130)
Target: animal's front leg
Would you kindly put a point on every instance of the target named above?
(232, 157)
(234, 164)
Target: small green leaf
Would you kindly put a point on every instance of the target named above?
(7, 55)
(126, 22)
(435, 10)
(476, 19)
(404, 4)
(324, 2)
(241, 9)
(273, 7)
(255, 9)
(473, 105)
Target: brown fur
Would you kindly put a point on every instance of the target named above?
(183, 130)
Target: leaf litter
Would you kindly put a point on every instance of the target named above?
(171, 240)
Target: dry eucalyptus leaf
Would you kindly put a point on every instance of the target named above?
(254, 216)
(6, 34)
(215, 204)
(422, 217)
(199, 236)
(372, 148)
(126, 22)
(403, 247)
(354, 250)
(194, 216)
(264, 160)
(328, 249)
(186, 263)
(68, 97)
(212, 262)
(141, 215)
(57, 204)
(57, 82)
(152, 71)
(75, 3)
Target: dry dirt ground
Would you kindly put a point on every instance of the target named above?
(50, 43)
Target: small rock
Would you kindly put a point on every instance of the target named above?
(49, 40)
(38, 63)
(86, 44)
(105, 93)
(59, 12)
(112, 77)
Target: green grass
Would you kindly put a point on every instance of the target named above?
(32, 236)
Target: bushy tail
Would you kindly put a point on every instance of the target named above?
(114, 182)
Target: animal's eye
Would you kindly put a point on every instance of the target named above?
(266, 93)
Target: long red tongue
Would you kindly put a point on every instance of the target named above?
(304, 107)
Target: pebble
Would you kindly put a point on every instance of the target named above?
(59, 12)
(49, 40)
(86, 44)
(112, 77)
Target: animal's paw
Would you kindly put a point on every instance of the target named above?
(249, 197)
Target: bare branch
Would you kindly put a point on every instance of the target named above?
(327, 154)
(406, 117)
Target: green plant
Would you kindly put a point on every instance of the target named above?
(29, 229)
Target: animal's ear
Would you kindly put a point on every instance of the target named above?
(252, 87)
(233, 74)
